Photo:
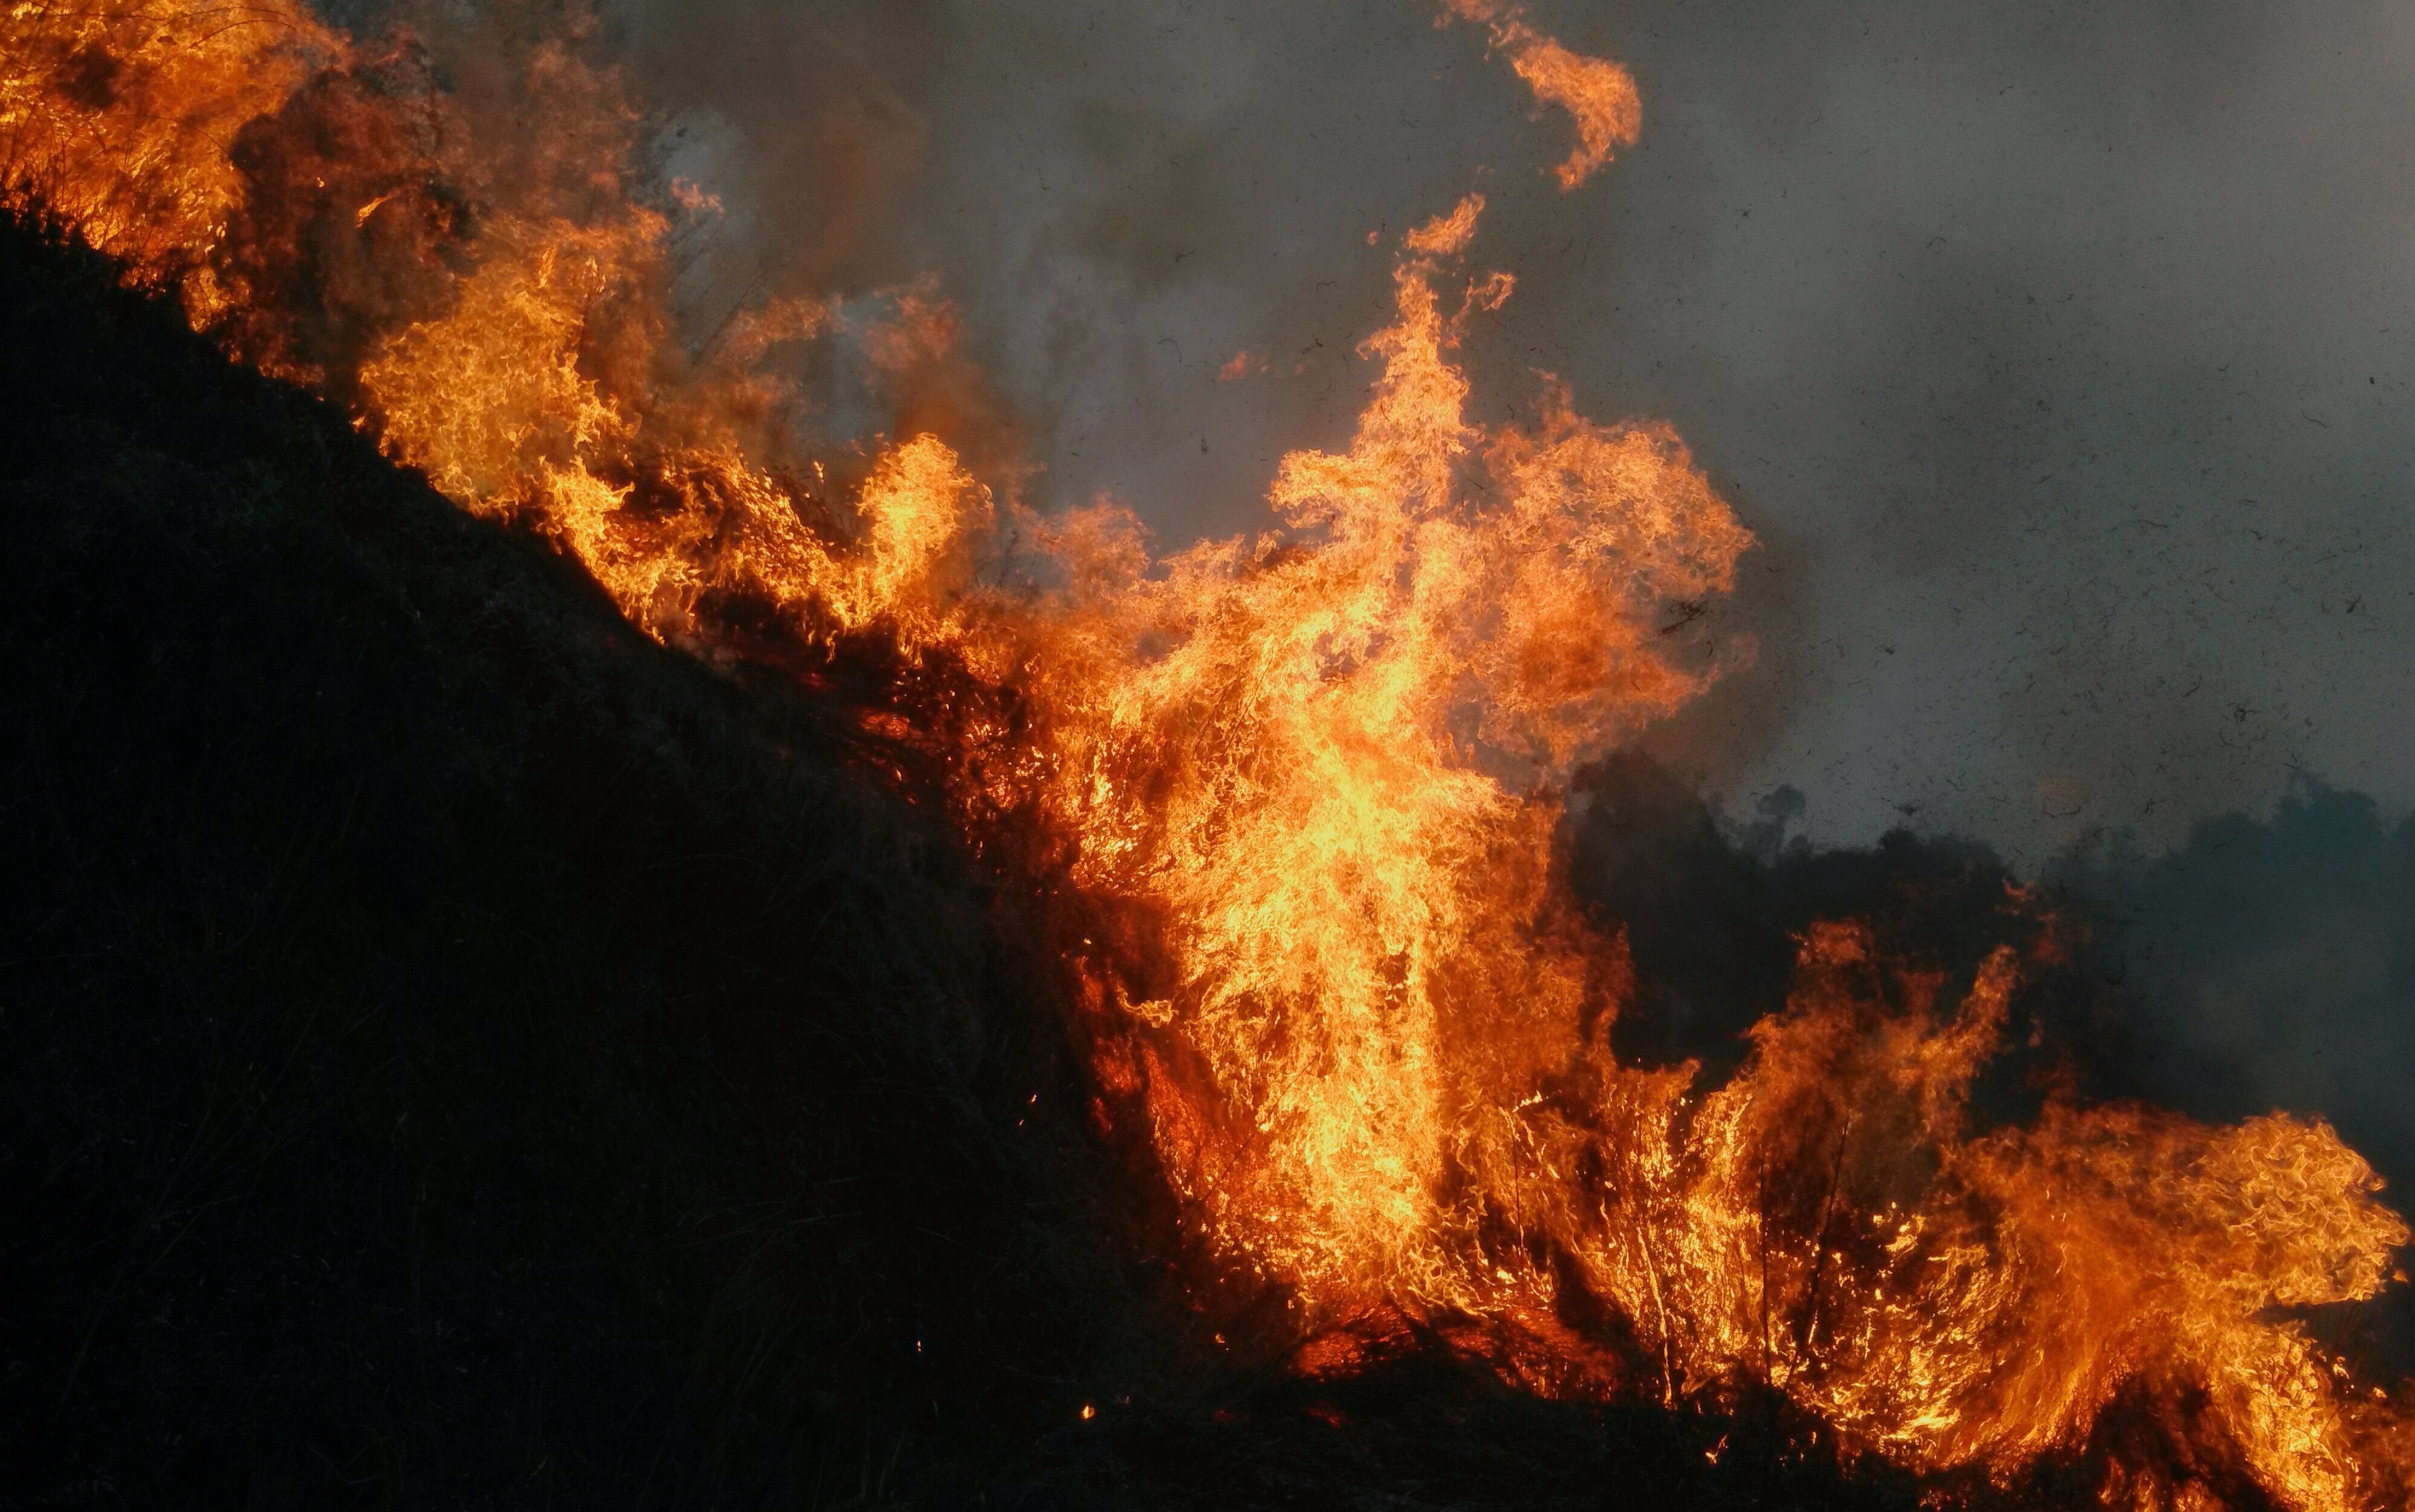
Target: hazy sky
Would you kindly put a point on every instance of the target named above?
(2058, 352)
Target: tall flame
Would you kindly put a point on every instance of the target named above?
(1292, 750)
(1302, 788)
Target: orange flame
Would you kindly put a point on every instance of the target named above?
(1280, 746)
(117, 118)
(1303, 784)
(1599, 95)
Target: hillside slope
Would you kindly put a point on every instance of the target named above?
(448, 1043)
(455, 1051)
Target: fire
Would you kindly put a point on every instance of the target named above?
(1298, 789)
(1310, 782)
(1599, 95)
(117, 118)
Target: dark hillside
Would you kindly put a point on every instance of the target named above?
(457, 1053)
(452, 1050)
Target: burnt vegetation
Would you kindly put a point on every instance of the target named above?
(458, 1052)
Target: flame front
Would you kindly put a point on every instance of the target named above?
(1300, 788)
(1291, 752)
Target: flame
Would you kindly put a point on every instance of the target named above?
(1280, 746)
(1599, 95)
(1295, 790)
(116, 119)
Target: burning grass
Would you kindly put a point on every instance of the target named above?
(417, 1084)
(1280, 810)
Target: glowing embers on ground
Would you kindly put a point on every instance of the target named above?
(1302, 788)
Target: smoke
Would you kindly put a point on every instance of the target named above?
(2055, 353)
(2271, 964)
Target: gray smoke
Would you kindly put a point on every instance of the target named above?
(2271, 964)
(2056, 352)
